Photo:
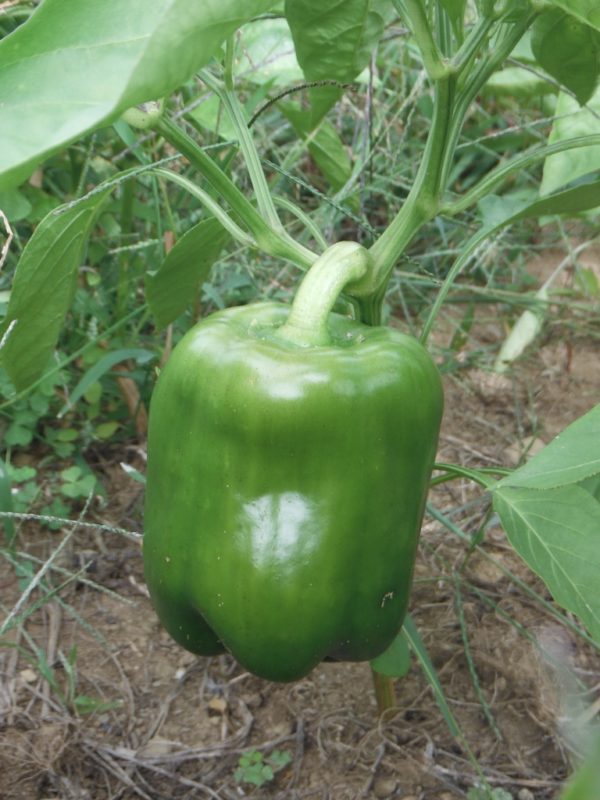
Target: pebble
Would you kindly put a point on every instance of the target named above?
(384, 787)
(525, 794)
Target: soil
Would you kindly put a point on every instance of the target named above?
(128, 714)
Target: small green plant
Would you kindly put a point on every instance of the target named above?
(257, 770)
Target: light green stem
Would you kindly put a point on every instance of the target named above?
(340, 265)
(273, 242)
(414, 10)
(210, 203)
(423, 200)
(308, 223)
(475, 83)
(232, 105)
(497, 176)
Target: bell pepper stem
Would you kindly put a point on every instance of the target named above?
(384, 692)
(340, 265)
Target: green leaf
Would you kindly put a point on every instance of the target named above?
(587, 11)
(557, 532)
(14, 205)
(591, 485)
(395, 661)
(323, 144)
(568, 201)
(172, 288)
(106, 429)
(333, 41)
(571, 457)
(572, 121)
(569, 50)
(18, 436)
(266, 54)
(101, 367)
(43, 288)
(71, 474)
(279, 759)
(76, 65)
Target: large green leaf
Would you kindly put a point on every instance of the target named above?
(77, 64)
(569, 458)
(572, 121)
(172, 288)
(569, 50)
(551, 515)
(557, 532)
(587, 11)
(334, 41)
(43, 288)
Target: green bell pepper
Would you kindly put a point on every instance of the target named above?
(289, 458)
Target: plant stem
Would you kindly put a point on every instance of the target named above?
(257, 177)
(211, 204)
(473, 86)
(471, 45)
(422, 202)
(498, 175)
(341, 264)
(384, 692)
(310, 225)
(414, 10)
(273, 242)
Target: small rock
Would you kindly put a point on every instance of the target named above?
(384, 787)
(525, 794)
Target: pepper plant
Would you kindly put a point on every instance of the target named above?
(231, 382)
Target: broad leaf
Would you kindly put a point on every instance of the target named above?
(266, 54)
(572, 121)
(587, 11)
(172, 288)
(43, 288)
(333, 41)
(557, 532)
(324, 145)
(77, 64)
(571, 457)
(569, 50)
